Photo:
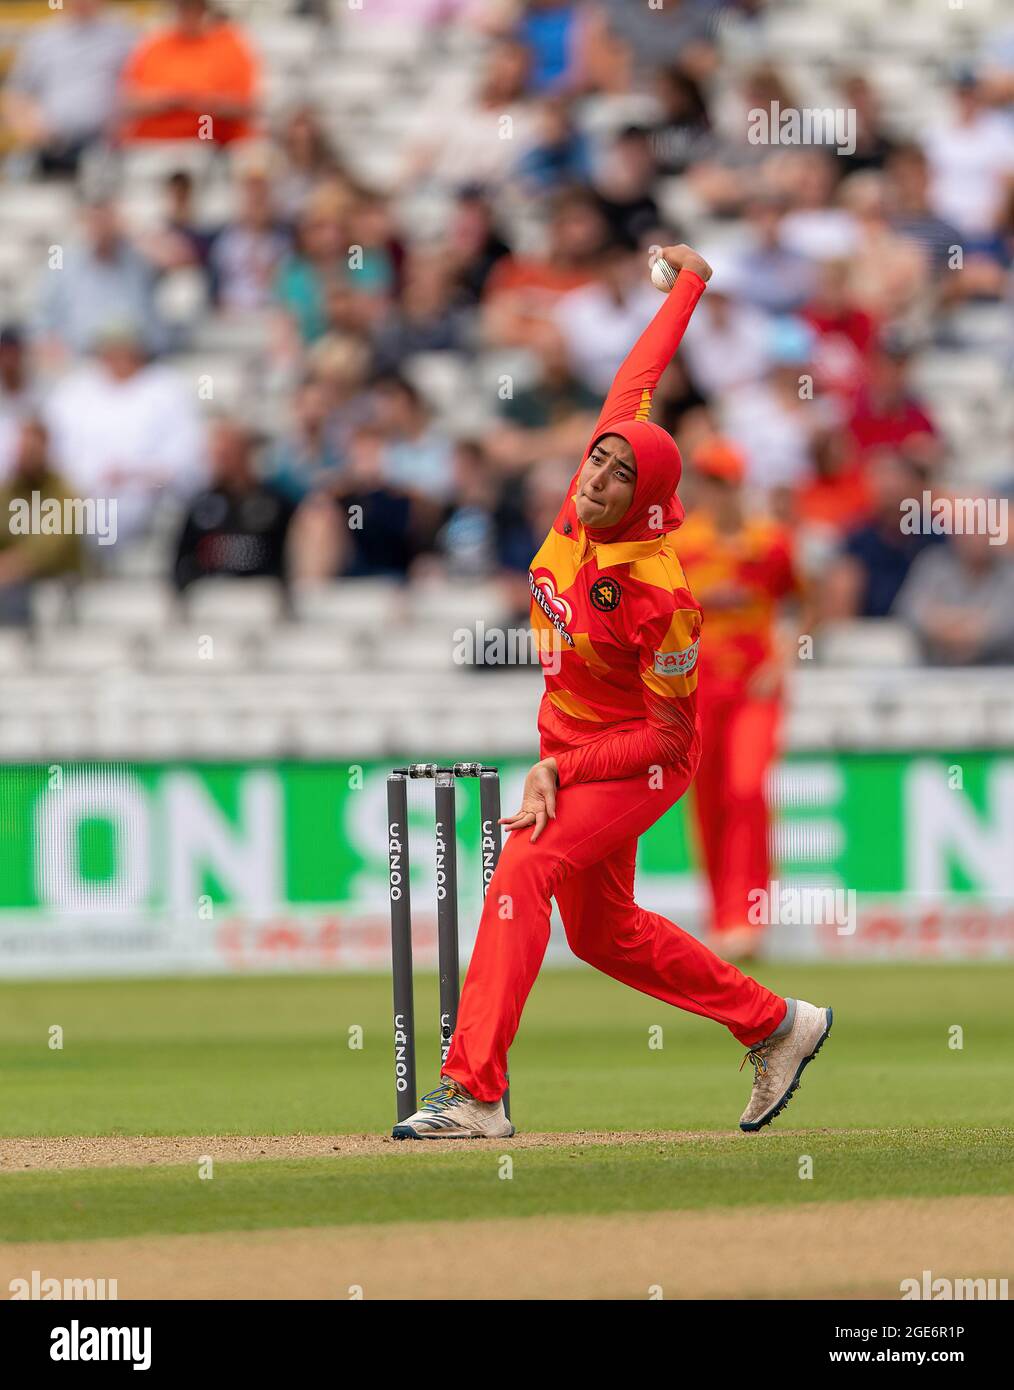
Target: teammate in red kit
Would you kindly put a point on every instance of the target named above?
(619, 634)
(742, 570)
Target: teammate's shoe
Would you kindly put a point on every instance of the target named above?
(450, 1112)
(778, 1064)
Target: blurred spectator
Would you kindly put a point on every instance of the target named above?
(37, 555)
(767, 273)
(776, 422)
(60, 92)
(416, 456)
(875, 558)
(127, 429)
(195, 79)
(481, 137)
(727, 340)
(816, 225)
(247, 252)
(959, 599)
(837, 497)
(678, 404)
(376, 252)
(971, 160)
(872, 146)
(887, 271)
(340, 363)
(523, 290)
(238, 525)
(317, 262)
(599, 322)
(360, 527)
(180, 241)
(887, 414)
(466, 539)
(429, 317)
(845, 334)
(304, 456)
(103, 280)
(624, 179)
(306, 158)
(551, 30)
(551, 417)
(553, 398)
(19, 399)
(662, 34)
(912, 217)
(473, 243)
(559, 154)
(682, 135)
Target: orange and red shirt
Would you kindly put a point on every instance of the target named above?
(617, 626)
(741, 578)
(217, 61)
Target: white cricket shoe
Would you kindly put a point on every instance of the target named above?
(778, 1064)
(450, 1112)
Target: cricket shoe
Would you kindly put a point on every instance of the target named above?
(778, 1064)
(450, 1112)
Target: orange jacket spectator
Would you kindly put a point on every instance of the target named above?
(200, 67)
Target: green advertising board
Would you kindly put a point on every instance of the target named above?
(192, 866)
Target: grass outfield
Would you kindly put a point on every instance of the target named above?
(272, 1055)
(889, 1109)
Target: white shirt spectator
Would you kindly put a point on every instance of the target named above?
(726, 346)
(970, 163)
(70, 68)
(127, 438)
(775, 440)
(820, 234)
(598, 331)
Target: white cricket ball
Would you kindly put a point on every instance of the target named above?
(663, 277)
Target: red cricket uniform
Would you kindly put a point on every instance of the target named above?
(619, 715)
(749, 573)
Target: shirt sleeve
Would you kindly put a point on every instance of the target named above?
(668, 650)
(630, 395)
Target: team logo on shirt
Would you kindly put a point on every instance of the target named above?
(677, 663)
(605, 595)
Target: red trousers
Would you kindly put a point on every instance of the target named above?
(739, 744)
(585, 859)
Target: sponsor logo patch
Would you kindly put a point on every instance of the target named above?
(554, 605)
(605, 595)
(677, 663)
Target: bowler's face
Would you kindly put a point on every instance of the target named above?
(606, 483)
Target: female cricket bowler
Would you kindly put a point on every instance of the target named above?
(620, 743)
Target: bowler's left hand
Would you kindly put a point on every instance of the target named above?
(538, 801)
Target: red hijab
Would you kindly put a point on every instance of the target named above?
(659, 468)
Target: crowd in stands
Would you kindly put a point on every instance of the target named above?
(513, 231)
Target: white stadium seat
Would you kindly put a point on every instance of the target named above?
(235, 603)
(137, 604)
(869, 642)
(204, 651)
(71, 650)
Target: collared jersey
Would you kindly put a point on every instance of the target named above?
(617, 627)
(749, 573)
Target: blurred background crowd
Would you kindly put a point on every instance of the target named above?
(329, 290)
